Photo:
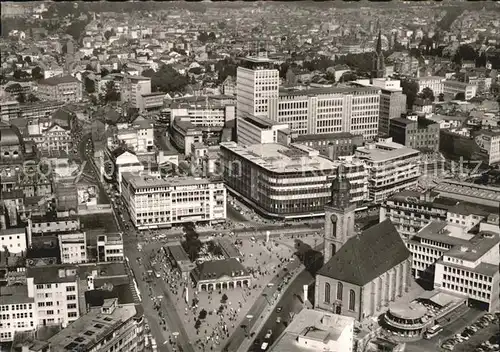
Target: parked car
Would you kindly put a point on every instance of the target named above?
(268, 334)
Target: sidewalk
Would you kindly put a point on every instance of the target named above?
(247, 342)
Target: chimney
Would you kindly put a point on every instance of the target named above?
(306, 289)
(62, 273)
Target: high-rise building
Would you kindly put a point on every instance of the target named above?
(257, 87)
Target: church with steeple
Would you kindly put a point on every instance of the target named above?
(365, 271)
(378, 68)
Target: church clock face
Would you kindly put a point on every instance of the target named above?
(333, 218)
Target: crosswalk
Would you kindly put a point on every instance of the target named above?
(133, 289)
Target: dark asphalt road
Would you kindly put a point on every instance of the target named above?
(290, 303)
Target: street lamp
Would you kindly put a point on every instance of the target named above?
(265, 295)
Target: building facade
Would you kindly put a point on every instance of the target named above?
(452, 88)
(415, 132)
(331, 110)
(73, 247)
(435, 83)
(257, 87)
(9, 110)
(204, 113)
(55, 290)
(110, 248)
(391, 168)
(279, 181)
(156, 203)
(259, 130)
(331, 145)
(362, 290)
(64, 89)
(17, 312)
(132, 89)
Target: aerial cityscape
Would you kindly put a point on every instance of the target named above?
(250, 176)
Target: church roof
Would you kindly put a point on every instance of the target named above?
(367, 256)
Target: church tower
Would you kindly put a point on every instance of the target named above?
(378, 70)
(339, 215)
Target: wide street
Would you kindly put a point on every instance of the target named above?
(159, 287)
(290, 304)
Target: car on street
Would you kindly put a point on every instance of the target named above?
(268, 335)
(264, 346)
(279, 309)
(278, 320)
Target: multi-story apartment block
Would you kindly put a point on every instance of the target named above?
(392, 101)
(279, 181)
(39, 109)
(9, 110)
(38, 226)
(415, 132)
(65, 89)
(331, 145)
(257, 87)
(154, 203)
(111, 327)
(351, 109)
(392, 167)
(435, 83)
(132, 89)
(483, 83)
(458, 262)
(73, 247)
(110, 247)
(452, 88)
(17, 312)
(259, 130)
(55, 292)
(204, 113)
(410, 211)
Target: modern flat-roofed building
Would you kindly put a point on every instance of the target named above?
(392, 101)
(73, 247)
(39, 109)
(351, 109)
(392, 168)
(133, 88)
(452, 88)
(110, 247)
(206, 113)
(415, 132)
(410, 211)
(318, 331)
(111, 327)
(331, 145)
(257, 87)
(155, 203)
(260, 130)
(65, 89)
(184, 134)
(462, 264)
(17, 312)
(55, 292)
(279, 181)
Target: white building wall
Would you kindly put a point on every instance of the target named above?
(17, 317)
(13, 241)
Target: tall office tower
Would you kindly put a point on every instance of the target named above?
(378, 59)
(257, 87)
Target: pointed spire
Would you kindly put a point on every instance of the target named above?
(379, 42)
